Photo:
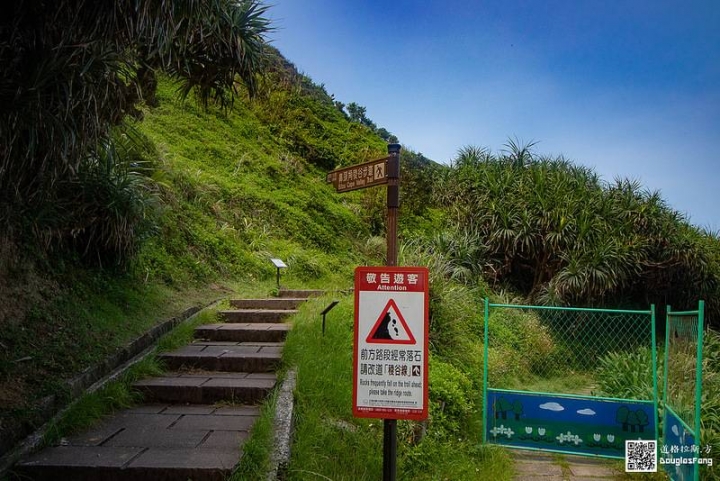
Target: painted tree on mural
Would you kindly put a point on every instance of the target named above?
(501, 408)
(517, 409)
(622, 417)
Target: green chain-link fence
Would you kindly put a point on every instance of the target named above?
(682, 393)
(584, 381)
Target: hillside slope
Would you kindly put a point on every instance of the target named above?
(218, 193)
(215, 193)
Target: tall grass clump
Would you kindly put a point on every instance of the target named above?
(710, 405)
(628, 375)
(103, 212)
(520, 348)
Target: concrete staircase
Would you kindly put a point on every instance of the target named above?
(181, 432)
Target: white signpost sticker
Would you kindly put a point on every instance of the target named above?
(390, 354)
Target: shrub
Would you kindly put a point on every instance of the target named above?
(525, 343)
(451, 397)
(627, 374)
(107, 208)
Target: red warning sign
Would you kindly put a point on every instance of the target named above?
(390, 327)
(390, 351)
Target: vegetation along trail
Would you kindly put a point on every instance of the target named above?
(143, 173)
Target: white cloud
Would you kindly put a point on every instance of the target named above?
(586, 412)
(552, 407)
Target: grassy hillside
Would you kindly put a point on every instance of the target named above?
(214, 194)
(234, 194)
(201, 198)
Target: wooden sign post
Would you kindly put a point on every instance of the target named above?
(368, 174)
(393, 203)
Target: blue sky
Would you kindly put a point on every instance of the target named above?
(630, 88)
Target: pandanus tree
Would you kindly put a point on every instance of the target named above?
(74, 69)
(556, 232)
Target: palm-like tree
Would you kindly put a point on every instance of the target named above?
(71, 69)
(557, 232)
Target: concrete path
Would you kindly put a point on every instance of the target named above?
(182, 433)
(538, 466)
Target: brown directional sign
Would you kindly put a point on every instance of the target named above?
(359, 176)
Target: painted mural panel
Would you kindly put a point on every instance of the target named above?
(678, 449)
(576, 424)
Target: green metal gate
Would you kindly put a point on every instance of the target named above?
(680, 447)
(592, 387)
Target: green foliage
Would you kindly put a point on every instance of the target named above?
(710, 403)
(557, 233)
(451, 398)
(356, 113)
(247, 198)
(454, 314)
(454, 458)
(627, 375)
(306, 120)
(91, 407)
(526, 338)
(108, 208)
(325, 429)
(73, 69)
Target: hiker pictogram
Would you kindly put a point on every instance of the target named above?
(390, 327)
(380, 171)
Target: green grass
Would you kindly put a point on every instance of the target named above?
(240, 195)
(119, 394)
(82, 320)
(91, 407)
(256, 450)
(326, 430)
(571, 383)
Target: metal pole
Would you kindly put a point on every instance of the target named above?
(486, 331)
(698, 381)
(324, 313)
(654, 370)
(393, 203)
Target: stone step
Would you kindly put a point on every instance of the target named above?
(256, 315)
(245, 332)
(299, 293)
(148, 443)
(271, 303)
(225, 356)
(208, 387)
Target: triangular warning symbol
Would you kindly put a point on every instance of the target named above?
(390, 327)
